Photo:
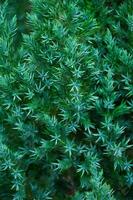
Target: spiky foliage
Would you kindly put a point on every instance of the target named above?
(67, 102)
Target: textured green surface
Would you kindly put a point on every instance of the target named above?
(66, 100)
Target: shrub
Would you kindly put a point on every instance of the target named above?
(66, 96)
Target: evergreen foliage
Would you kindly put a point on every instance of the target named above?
(66, 100)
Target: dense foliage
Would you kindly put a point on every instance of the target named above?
(66, 100)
